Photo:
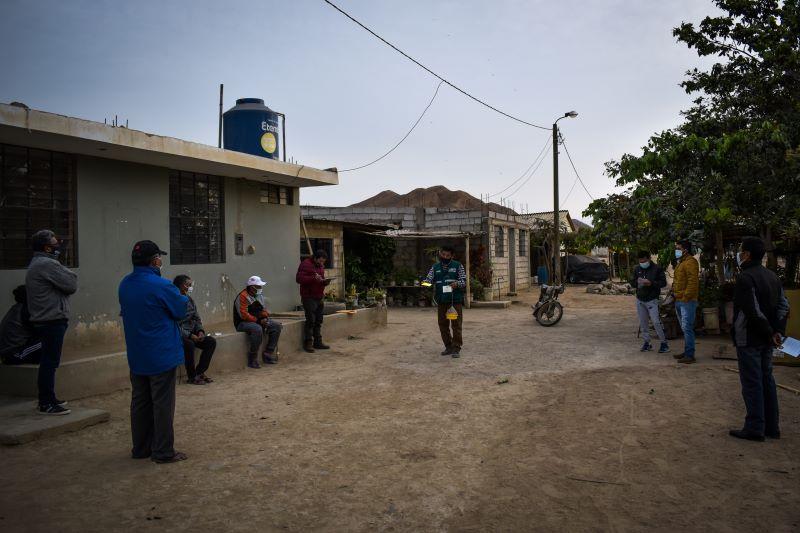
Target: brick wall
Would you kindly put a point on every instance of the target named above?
(318, 229)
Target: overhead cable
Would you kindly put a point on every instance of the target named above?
(429, 71)
(546, 143)
(577, 175)
(404, 137)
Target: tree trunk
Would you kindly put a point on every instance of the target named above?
(772, 261)
(720, 249)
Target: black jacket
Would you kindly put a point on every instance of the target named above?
(657, 278)
(191, 323)
(759, 306)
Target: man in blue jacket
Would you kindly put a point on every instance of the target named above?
(151, 309)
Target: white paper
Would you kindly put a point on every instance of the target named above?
(447, 288)
(790, 346)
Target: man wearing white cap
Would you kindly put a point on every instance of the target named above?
(250, 316)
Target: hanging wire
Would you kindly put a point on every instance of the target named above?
(429, 71)
(577, 175)
(404, 137)
(546, 143)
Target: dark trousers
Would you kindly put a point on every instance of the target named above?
(52, 336)
(758, 389)
(152, 414)
(207, 345)
(314, 309)
(450, 340)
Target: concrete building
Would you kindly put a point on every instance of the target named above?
(222, 215)
(504, 238)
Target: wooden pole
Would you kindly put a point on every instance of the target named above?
(466, 262)
(305, 232)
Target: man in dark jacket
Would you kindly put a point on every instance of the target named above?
(449, 280)
(760, 310)
(194, 336)
(49, 285)
(649, 279)
(152, 307)
(18, 343)
(311, 277)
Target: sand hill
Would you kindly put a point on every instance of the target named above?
(436, 196)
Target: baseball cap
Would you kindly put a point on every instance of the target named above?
(255, 280)
(143, 251)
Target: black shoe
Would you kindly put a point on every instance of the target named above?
(60, 403)
(776, 435)
(447, 351)
(679, 355)
(319, 345)
(455, 353)
(687, 360)
(746, 435)
(179, 456)
(308, 346)
(53, 409)
(269, 359)
(253, 364)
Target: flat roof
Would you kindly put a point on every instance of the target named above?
(49, 131)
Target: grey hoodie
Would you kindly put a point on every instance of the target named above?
(49, 285)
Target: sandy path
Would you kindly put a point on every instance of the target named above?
(384, 434)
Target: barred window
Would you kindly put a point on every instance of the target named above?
(277, 194)
(523, 242)
(37, 191)
(318, 244)
(196, 218)
(499, 242)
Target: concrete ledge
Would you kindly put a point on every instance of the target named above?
(21, 423)
(102, 374)
(494, 304)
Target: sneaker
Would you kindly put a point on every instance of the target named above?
(269, 359)
(253, 364)
(455, 353)
(679, 355)
(179, 456)
(446, 351)
(61, 403)
(646, 347)
(664, 348)
(687, 360)
(53, 409)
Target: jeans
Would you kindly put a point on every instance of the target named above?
(152, 415)
(314, 309)
(648, 311)
(207, 345)
(450, 341)
(686, 312)
(52, 336)
(758, 389)
(255, 333)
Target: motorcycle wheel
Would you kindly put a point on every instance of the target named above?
(549, 314)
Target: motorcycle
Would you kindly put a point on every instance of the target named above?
(548, 310)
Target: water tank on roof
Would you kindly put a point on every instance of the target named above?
(252, 128)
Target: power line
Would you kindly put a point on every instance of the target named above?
(547, 142)
(404, 137)
(521, 185)
(564, 144)
(429, 71)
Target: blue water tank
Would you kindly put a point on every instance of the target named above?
(252, 128)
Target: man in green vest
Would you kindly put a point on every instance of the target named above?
(449, 280)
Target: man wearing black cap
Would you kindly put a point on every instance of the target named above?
(151, 310)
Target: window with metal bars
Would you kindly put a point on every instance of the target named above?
(196, 218)
(277, 194)
(499, 242)
(523, 243)
(37, 191)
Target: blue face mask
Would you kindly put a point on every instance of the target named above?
(678, 254)
(739, 258)
(645, 265)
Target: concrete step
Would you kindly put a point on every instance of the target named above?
(492, 304)
(20, 421)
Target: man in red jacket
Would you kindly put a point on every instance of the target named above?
(311, 277)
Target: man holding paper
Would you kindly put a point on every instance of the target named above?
(759, 323)
(311, 278)
(450, 280)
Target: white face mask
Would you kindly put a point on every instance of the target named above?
(645, 265)
(189, 289)
(259, 291)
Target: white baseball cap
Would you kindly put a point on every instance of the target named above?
(255, 280)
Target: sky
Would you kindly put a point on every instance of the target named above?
(348, 98)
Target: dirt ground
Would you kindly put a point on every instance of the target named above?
(382, 433)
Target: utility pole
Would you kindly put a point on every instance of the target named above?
(556, 217)
(556, 241)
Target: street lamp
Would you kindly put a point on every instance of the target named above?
(556, 217)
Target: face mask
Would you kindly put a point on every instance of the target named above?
(259, 291)
(678, 254)
(190, 289)
(739, 258)
(645, 265)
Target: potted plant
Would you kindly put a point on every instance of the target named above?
(710, 297)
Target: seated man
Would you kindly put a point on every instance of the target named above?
(251, 317)
(18, 342)
(193, 336)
